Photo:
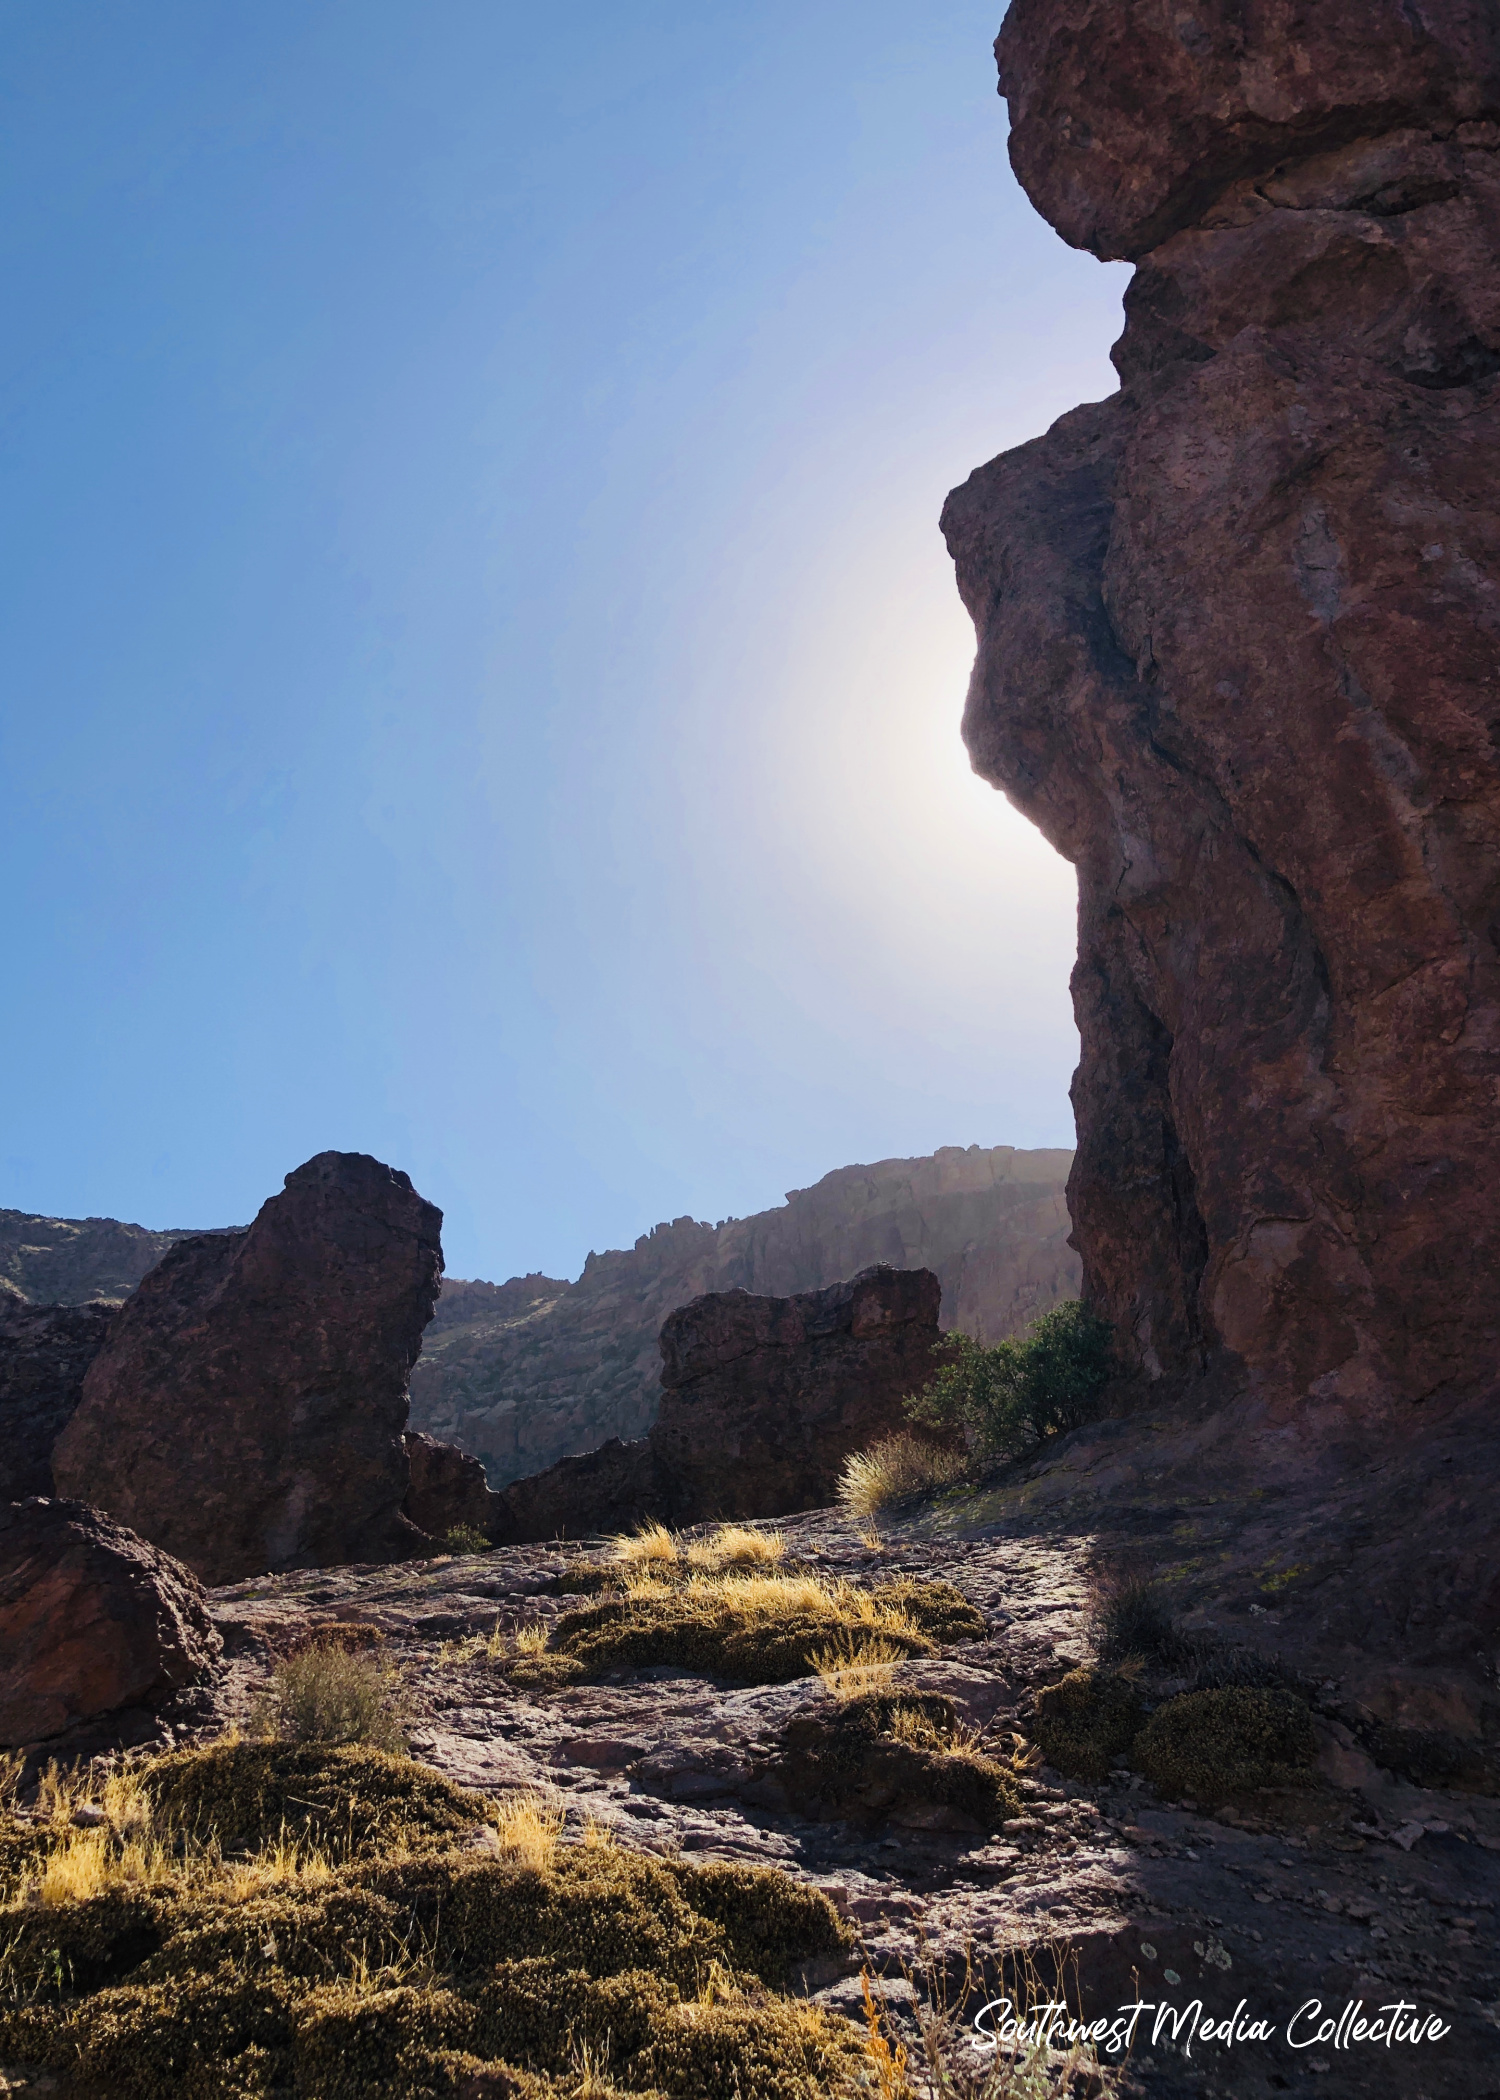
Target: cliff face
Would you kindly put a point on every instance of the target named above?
(530, 1371)
(1238, 659)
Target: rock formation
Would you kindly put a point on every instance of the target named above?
(526, 1372)
(447, 1488)
(247, 1410)
(92, 1620)
(762, 1401)
(1238, 659)
(69, 1261)
(45, 1351)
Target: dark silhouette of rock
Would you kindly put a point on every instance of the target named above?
(92, 1620)
(247, 1410)
(71, 1261)
(44, 1352)
(1239, 650)
(526, 1372)
(448, 1488)
(762, 1401)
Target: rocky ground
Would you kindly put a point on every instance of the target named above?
(1360, 1887)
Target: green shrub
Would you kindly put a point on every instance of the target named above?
(1010, 1397)
(465, 1538)
(1085, 1721)
(1209, 1744)
(329, 1694)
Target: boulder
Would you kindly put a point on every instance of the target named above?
(448, 1488)
(247, 1410)
(44, 1352)
(762, 1401)
(92, 1620)
(1239, 645)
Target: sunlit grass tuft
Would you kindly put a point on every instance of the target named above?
(897, 1469)
(737, 1546)
(528, 1828)
(852, 1668)
(652, 1542)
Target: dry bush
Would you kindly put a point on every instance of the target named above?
(851, 1667)
(897, 1469)
(327, 1693)
(651, 1543)
(353, 1636)
(736, 1546)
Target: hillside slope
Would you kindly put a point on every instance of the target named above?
(527, 1372)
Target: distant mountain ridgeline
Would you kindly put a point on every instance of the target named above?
(69, 1261)
(526, 1372)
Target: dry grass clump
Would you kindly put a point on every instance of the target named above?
(737, 1546)
(752, 1628)
(851, 1668)
(412, 1967)
(332, 1692)
(652, 1546)
(1086, 1720)
(897, 1469)
(1209, 1744)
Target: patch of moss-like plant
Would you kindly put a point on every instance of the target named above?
(886, 1755)
(1207, 1745)
(407, 1973)
(759, 1629)
(1085, 1721)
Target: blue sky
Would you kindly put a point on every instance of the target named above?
(481, 677)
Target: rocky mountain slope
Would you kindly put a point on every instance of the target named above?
(530, 1371)
(68, 1261)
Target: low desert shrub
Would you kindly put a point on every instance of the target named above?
(465, 1538)
(1130, 1617)
(896, 1469)
(1011, 1396)
(1086, 1720)
(1209, 1744)
(328, 1693)
(881, 1754)
(749, 1628)
(419, 1972)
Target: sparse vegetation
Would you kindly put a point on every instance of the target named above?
(329, 1692)
(1129, 1617)
(874, 1754)
(1086, 1720)
(896, 1469)
(465, 1538)
(1210, 1744)
(1009, 1397)
(748, 1627)
(405, 1965)
(850, 1668)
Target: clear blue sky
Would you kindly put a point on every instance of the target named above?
(481, 677)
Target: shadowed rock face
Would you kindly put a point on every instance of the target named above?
(248, 1408)
(763, 1399)
(92, 1620)
(45, 1351)
(447, 1488)
(1239, 658)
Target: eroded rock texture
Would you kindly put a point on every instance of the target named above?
(92, 1620)
(1238, 659)
(248, 1409)
(762, 1400)
(447, 1488)
(45, 1350)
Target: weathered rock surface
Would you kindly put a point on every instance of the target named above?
(526, 1372)
(44, 1352)
(1239, 647)
(92, 1620)
(762, 1401)
(69, 1261)
(447, 1489)
(248, 1408)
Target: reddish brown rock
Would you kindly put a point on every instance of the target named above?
(44, 1352)
(447, 1489)
(1239, 657)
(764, 1398)
(92, 1620)
(612, 1489)
(248, 1409)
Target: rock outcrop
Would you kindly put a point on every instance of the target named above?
(526, 1372)
(762, 1401)
(69, 1261)
(92, 1620)
(447, 1488)
(45, 1350)
(1239, 657)
(247, 1410)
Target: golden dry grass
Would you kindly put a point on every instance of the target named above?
(652, 1543)
(737, 1546)
(851, 1668)
(528, 1828)
(896, 1469)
